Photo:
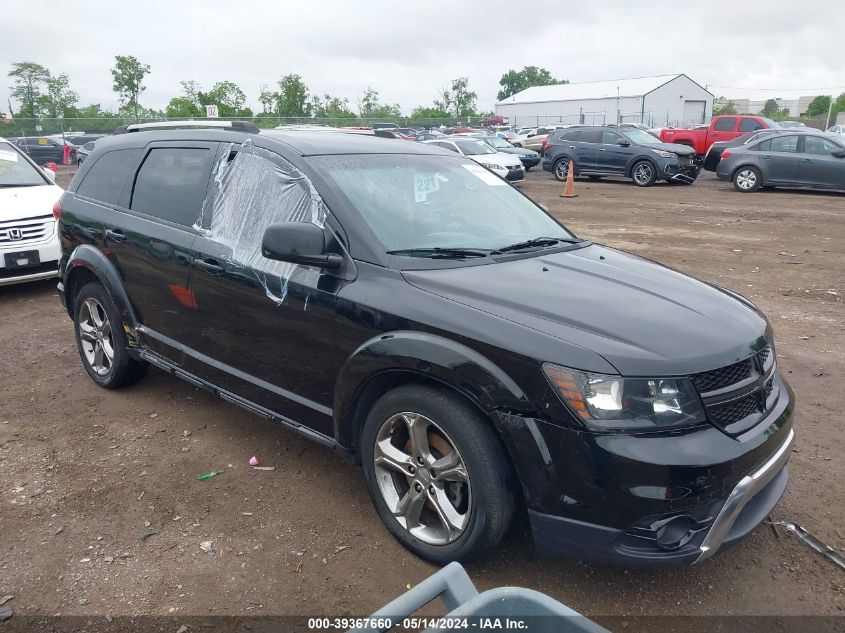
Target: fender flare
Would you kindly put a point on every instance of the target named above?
(432, 357)
(629, 169)
(92, 259)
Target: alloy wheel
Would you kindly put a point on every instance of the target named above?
(422, 478)
(746, 179)
(95, 334)
(642, 173)
(562, 169)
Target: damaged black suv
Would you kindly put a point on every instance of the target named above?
(409, 308)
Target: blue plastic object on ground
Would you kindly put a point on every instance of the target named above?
(524, 609)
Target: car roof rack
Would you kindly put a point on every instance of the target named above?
(235, 126)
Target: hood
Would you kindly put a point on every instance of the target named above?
(643, 318)
(28, 202)
(519, 151)
(499, 158)
(675, 148)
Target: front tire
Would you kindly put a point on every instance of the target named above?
(437, 474)
(101, 340)
(747, 179)
(643, 174)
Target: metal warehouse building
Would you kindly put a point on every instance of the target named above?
(656, 101)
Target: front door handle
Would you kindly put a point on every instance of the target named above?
(767, 158)
(209, 265)
(115, 235)
(601, 149)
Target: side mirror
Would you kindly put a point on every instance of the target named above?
(299, 243)
(623, 143)
(50, 174)
(839, 153)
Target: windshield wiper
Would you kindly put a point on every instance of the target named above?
(538, 242)
(24, 184)
(441, 253)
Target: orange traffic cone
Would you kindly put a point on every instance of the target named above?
(569, 187)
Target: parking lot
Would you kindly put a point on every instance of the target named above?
(101, 511)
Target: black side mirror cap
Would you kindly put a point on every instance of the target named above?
(622, 142)
(299, 243)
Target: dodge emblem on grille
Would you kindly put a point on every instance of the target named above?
(14, 234)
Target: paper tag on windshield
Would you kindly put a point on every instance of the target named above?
(488, 177)
(5, 154)
(424, 185)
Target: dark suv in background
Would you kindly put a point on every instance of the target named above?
(608, 150)
(410, 309)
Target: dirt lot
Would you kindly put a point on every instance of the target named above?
(84, 472)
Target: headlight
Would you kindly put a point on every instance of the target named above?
(605, 403)
(492, 166)
(663, 154)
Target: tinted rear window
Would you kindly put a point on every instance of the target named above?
(171, 184)
(590, 136)
(106, 179)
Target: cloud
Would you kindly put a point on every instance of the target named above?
(408, 52)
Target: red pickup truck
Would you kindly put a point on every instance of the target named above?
(724, 127)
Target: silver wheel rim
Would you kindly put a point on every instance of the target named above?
(562, 169)
(422, 478)
(746, 179)
(642, 173)
(95, 336)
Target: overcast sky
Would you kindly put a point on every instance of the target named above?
(409, 51)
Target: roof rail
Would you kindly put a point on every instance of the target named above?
(235, 126)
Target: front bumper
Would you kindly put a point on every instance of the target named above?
(648, 500)
(528, 162)
(680, 173)
(48, 253)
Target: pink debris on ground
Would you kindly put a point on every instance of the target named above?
(253, 461)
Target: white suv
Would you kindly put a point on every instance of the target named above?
(29, 243)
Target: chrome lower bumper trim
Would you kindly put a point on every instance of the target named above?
(742, 493)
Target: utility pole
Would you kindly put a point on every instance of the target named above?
(829, 112)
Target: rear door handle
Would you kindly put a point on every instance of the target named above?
(209, 265)
(767, 158)
(115, 235)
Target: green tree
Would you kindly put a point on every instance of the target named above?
(371, 107)
(818, 106)
(229, 98)
(29, 77)
(292, 98)
(267, 98)
(423, 112)
(516, 81)
(187, 105)
(331, 107)
(723, 106)
(60, 100)
(458, 100)
(770, 108)
(128, 75)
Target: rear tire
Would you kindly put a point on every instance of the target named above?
(643, 173)
(560, 170)
(747, 179)
(437, 474)
(101, 340)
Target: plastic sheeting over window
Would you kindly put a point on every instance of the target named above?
(252, 189)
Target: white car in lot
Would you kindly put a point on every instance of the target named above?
(29, 243)
(506, 166)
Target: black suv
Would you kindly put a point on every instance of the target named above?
(608, 150)
(405, 306)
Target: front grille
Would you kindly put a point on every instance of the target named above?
(722, 377)
(25, 231)
(736, 397)
(727, 414)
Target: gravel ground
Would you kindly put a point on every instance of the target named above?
(85, 473)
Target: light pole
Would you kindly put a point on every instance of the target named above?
(829, 112)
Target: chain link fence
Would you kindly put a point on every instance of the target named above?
(17, 126)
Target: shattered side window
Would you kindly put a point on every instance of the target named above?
(254, 188)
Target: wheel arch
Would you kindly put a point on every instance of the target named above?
(744, 165)
(389, 360)
(86, 264)
(629, 170)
